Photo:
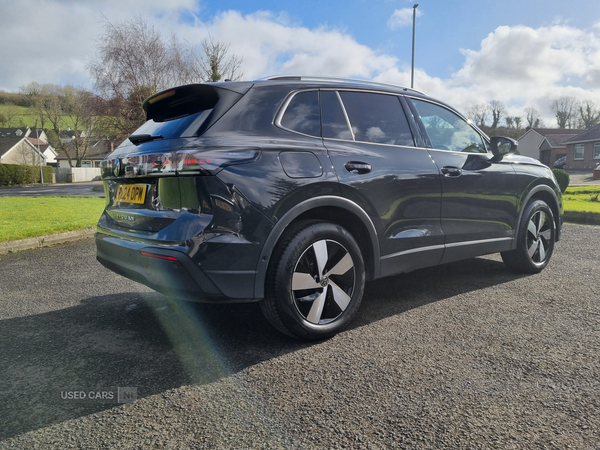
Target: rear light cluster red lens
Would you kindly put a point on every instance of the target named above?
(163, 257)
(184, 162)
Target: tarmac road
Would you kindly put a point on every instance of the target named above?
(88, 189)
(467, 355)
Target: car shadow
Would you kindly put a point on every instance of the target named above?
(152, 343)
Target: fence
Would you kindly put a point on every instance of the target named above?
(75, 174)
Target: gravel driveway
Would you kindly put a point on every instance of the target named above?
(467, 355)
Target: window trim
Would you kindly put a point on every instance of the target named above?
(575, 158)
(292, 94)
(596, 149)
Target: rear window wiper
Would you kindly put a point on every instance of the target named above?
(139, 138)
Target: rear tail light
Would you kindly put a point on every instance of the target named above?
(212, 161)
(208, 162)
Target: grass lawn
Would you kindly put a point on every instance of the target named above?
(25, 118)
(25, 217)
(581, 199)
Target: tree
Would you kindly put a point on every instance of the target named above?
(517, 120)
(215, 64)
(135, 61)
(509, 121)
(70, 113)
(498, 111)
(532, 117)
(479, 114)
(589, 115)
(564, 109)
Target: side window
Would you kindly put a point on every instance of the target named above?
(447, 131)
(303, 115)
(377, 118)
(335, 125)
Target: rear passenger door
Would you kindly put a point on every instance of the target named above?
(372, 148)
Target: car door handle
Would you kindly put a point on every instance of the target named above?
(450, 171)
(358, 167)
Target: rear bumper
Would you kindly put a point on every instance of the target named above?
(170, 271)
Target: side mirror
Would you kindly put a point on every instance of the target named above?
(502, 146)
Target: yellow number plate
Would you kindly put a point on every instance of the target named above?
(131, 193)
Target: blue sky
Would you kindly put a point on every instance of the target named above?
(444, 27)
(524, 53)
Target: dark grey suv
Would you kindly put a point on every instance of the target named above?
(295, 191)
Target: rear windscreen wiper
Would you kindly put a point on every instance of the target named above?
(139, 138)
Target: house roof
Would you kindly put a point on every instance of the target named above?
(547, 131)
(557, 140)
(5, 132)
(98, 150)
(6, 143)
(591, 134)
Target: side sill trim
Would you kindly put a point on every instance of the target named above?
(414, 250)
(440, 247)
(482, 241)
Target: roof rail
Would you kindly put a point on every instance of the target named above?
(336, 79)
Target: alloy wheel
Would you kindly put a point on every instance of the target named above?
(323, 281)
(539, 235)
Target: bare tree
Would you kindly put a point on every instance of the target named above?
(215, 63)
(589, 115)
(70, 114)
(518, 121)
(498, 111)
(479, 114)
(135, 61)
(564, 109)
(532, 117)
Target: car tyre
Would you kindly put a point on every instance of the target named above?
(535, 240)
(315, 282)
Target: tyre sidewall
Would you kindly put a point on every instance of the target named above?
(285, 266)
(533, 208)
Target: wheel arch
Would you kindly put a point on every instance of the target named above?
(548, 195)
(338, 210)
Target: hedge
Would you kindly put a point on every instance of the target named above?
(22, 174)
(563, 179)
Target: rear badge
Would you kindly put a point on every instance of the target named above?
(117, 169)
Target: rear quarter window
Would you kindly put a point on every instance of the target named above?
(302, 114)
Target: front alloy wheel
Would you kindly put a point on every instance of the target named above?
(535, 240)
(539, 235)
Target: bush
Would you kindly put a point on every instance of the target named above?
(22, 174)
(563, 179)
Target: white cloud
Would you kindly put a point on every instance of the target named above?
(402, 17)
(520, 66)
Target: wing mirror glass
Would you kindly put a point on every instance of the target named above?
(502, 146)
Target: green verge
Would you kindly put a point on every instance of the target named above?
(582, 204)
(26, 217)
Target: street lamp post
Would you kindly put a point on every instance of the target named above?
(37, 135)
(412, 67)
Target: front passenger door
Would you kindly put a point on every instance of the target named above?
(478, 195)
